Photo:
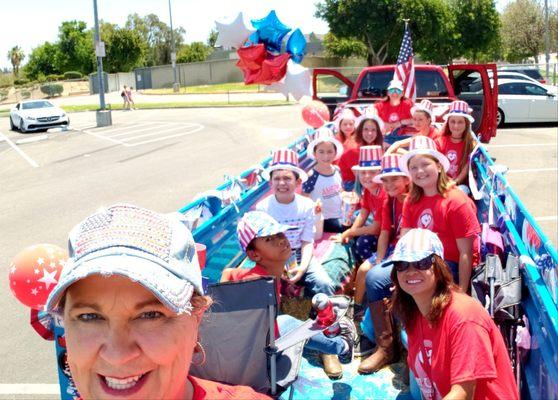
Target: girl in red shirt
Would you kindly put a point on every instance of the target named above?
(456, 141)
(369, 132)
(455, 348)
(345, 125)
(435, 203)
(395, 110)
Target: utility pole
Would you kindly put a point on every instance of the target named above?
(103, 116)
(176, 85)
(546, 41)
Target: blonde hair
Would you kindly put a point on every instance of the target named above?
(467, 139)
(443, 184)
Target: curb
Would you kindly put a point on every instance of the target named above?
(32, 139)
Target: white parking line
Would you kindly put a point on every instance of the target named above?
(150, 128)
(497, 146)
(516, 171)
(29, 388)
(549, 218)
(175, 128)
(19, 151)
(168, 137)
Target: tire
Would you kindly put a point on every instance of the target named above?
(12, 126)
(500, 118)
(22, 126)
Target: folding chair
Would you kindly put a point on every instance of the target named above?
(238, 336)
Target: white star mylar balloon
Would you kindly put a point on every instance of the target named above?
(232, 34)
(297, 82)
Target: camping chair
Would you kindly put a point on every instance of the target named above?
(238, 336)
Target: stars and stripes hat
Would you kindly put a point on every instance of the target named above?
(425, 146)
(426, 106)
(416, 245)
(370, 113)
(390, 167)
(155, 250)
(370, 158)
(284, 159)
(324, 135)
(256, 224)
(459, 108)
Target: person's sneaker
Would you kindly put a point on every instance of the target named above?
(349, 335)
(363, 347)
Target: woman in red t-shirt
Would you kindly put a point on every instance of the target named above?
(456, 141)
(435, 203)
(455, 348)
(395, 110)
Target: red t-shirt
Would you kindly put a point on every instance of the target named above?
(433, 133)
(348, 159)
(451, 217)
(464, 345)
(209, 390)
(389, 113)
(387, 212)
(453, 151)
(373, 202)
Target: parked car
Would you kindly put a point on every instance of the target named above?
(432, 83)
(37, 115)
(530, 71)
(521, 101)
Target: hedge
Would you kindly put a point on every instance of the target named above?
(52, 89)
(21, 81)
(72, 75)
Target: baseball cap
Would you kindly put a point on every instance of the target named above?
(156, 250)
(416, 245)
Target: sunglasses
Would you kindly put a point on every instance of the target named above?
(398, 91)
(421, 265)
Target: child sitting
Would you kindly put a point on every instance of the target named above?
(324, 181)
(345, 124)
(263, 240)
(292, 209)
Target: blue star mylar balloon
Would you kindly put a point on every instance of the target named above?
(271, 31)
(296, 46)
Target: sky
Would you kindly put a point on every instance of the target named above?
(29, 23)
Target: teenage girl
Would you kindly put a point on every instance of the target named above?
(395, 110)
(345, 125)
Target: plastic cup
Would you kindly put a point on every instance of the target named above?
(201, 250)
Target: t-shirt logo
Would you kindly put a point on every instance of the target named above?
(421, 366)
(393, 117)
(452, 155)
(426, 220)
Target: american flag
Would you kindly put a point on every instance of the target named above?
(405, 68)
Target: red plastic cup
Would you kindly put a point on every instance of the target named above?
(201, 250)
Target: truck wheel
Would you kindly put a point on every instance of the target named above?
(500, 118)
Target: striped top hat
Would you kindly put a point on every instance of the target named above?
(461, 109)
(370, 158)
(426, 106)
(371, 113)
(324, 135)
(256, 224)
(416, 245)
(284, 159)
(390, 167)
(425, 146)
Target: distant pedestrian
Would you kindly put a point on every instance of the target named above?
(124, 95)
(131, 103)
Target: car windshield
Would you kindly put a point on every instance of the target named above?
(36, 104)
(429, 84)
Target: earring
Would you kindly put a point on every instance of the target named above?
(199, 349)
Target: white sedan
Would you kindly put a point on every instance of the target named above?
(522, 101)
(37, 115)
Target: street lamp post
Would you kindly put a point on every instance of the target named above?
(175, 85)
(103, 115)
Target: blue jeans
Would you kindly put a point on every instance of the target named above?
(316, 280)
(319, 342)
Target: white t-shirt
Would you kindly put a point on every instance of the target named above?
(299, 214)
(328, 189)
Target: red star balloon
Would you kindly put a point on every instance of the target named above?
(315, 114)
(273, 69)
(34, 272)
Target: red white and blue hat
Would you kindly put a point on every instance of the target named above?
(390, 167)
(416, 245)
(370, 113)
(284, 159)
(370, 158)
(256, 224)
(459, 108)
(345, 113)
(324, 135)
(425, 146)
(426, 106)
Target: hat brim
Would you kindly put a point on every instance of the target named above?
(174, 292)
(378, 178)
(301, 173)
(359, 168)
(411, 256)
(404, 160)
(414, 109)
(467, 116)
(338, 147)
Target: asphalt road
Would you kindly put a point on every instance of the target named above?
(160, 159)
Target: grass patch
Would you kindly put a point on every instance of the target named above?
(147, 106)
(238, 87)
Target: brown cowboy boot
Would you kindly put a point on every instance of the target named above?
(385, 334)
(332, 366)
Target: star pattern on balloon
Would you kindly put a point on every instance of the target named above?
(232, 34)
(48, 278)
(271, 31)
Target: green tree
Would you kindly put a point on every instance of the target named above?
(76, 47)
(212, 39)
(16, 56)
(43, 60)
(343, 48)
(523, 30)
(125, 49)
(193, 52)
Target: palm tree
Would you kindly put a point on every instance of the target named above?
(16, 56)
